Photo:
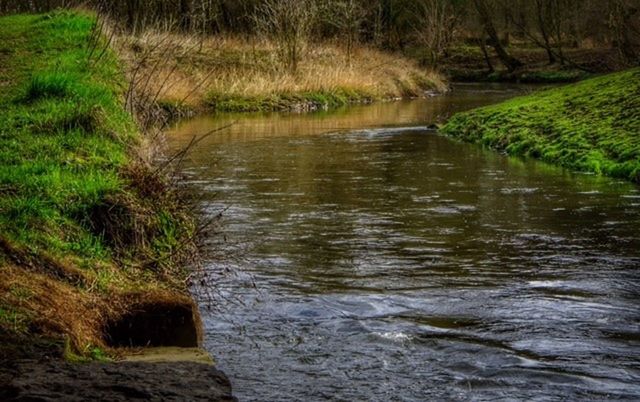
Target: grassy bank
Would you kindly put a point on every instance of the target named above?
(89, 235)
(246, 74)
(590, 126)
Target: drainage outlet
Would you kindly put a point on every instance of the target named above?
(154, 326)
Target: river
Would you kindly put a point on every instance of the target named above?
(361, 256)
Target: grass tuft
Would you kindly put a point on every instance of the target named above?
(50, 85)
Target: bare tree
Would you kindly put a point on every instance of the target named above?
(553, 24)
(544, 13)
(289, 24)
(436, 29)
(510, 62)
(624, 16)
(347, 16)
(544, 29)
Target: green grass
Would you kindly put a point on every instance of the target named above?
(61, 154)
(550, 77)
(75, 205)
(54, 84)
(13, 320)
(305, 101)
(524, 76)
(591, 126)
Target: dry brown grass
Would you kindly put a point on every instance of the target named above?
(53, 307)
(192, 70)
(45, 306)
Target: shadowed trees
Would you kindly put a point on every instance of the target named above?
(398, 25)
(486, 18)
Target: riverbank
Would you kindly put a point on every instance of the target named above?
(591, 126)
(467, 63)
(94, 241)
(236, 74)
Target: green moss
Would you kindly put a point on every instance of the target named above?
(550, 77)
(590, 126)
(531, 76)
(90, 353)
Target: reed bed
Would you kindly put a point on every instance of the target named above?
(196, 71)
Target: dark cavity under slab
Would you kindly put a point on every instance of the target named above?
(155, 325)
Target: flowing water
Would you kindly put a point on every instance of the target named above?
(372, 259)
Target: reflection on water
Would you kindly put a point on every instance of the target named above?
(256, 126)
(395, 264)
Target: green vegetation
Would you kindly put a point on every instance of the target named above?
(84, 223)
(540, 76)
(551, 76)
(590, 126)
(305, 101)
(58, 160)
(88, 229)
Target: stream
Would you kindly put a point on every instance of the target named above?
(362, 256)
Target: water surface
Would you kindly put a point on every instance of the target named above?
(373, 259)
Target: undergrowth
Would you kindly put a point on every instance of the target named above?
(591, 126)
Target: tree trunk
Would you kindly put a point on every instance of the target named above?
(485, 53)
(510, 62)
(540, 18)
(622, 27)
(185, 14)
(132, 15)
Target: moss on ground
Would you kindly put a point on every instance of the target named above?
(546, 75)
(591, 126)
(84, 223)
